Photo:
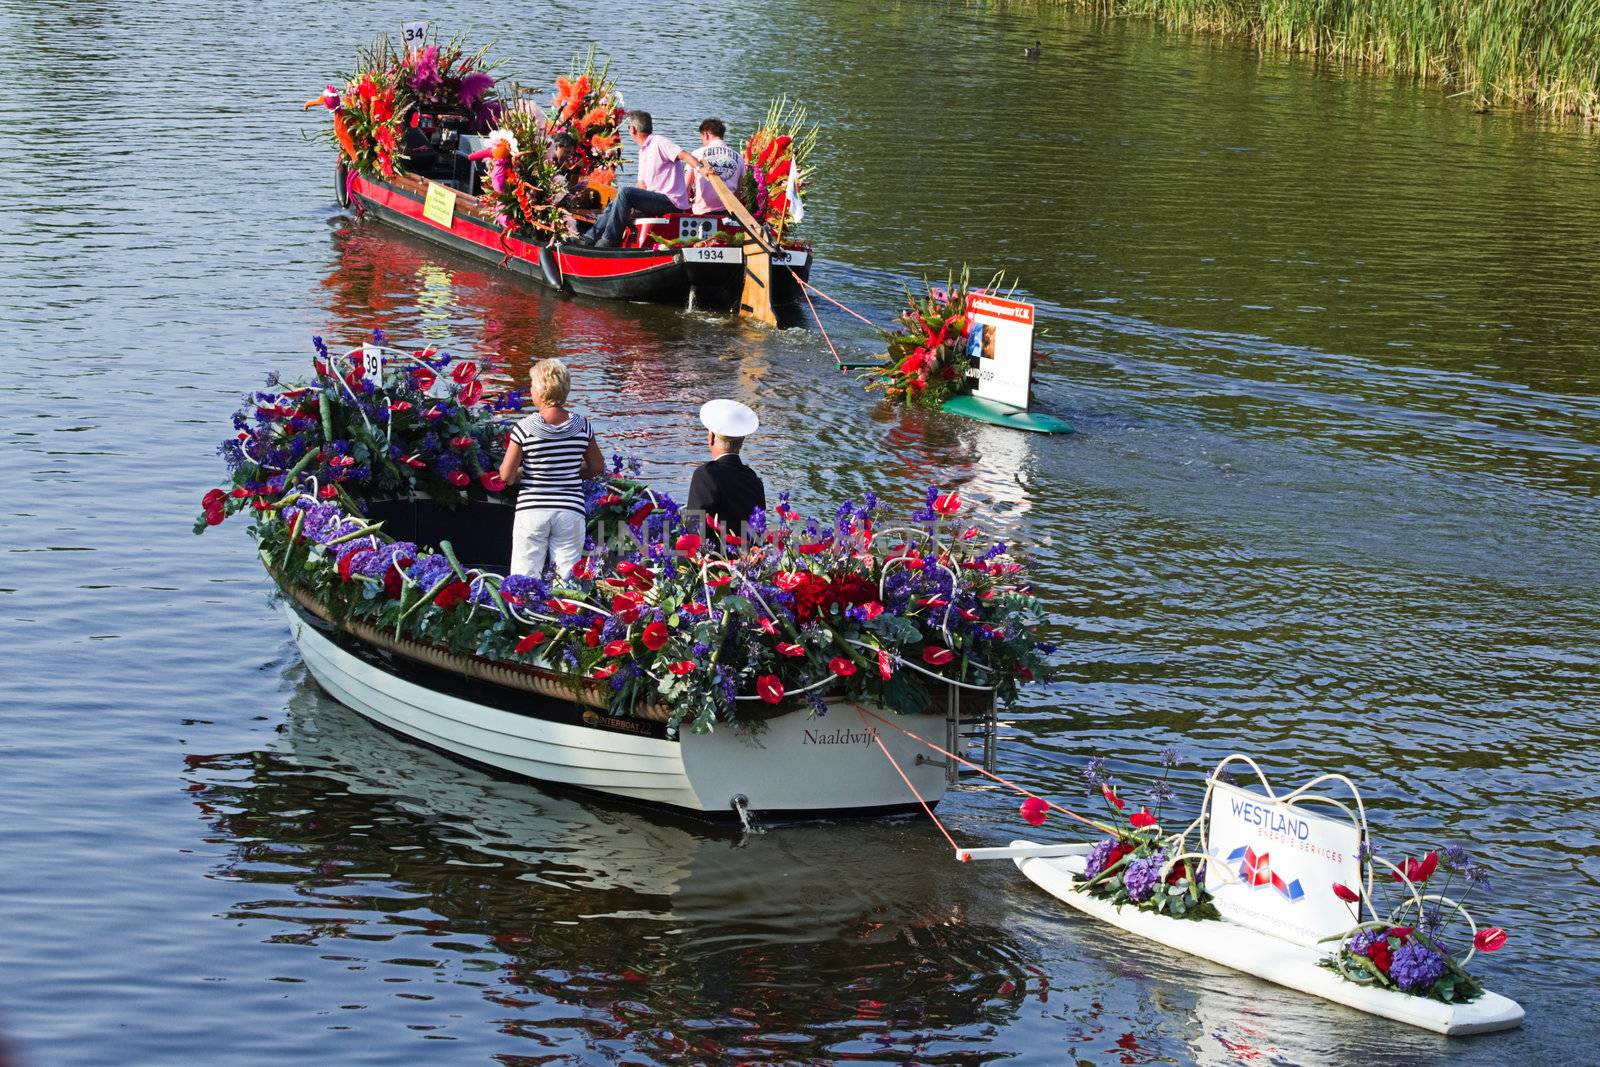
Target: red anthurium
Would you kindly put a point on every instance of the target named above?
(464, 372)
(935, 656)
(461, 441)
(789, 581)
(694, 607)
(766, 625)
(436, 412)
(1346, 894)
(565, 607)
(215, 515)
(423, 379)
(239, 493)
(328, 492)
(605, 672)
(1141, 819)
(492, 482)
(400, 405)
(885, 665)
(608, 500)
(812, 550)
(1417, 871)
(461, 479)
(529, 642)
(618, 648)
(682, 667)
(591, 637)
(688, 544)
(872, 609)
(1034, 811)
(933, 602)
(1489, 939)
(654, 636)
(787, 649)
(1110, 794)
(342, 461)
(584, 568)
(471, 393)
(947, 503)
(415, 461)
(641, 513)
(841, 666)
(213, 499)
(719, 582)
(770, 688)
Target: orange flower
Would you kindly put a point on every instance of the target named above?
(596, 116)
(601, 178)
(342, 132)
(601, 143)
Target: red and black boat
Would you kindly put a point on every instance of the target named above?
(681, 258)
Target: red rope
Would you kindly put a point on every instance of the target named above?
(884, 749)
(807, 285)
(987, 774)
(824, 330)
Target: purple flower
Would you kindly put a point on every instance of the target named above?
(1141, 876)
(1094, 774)
(1169, 758)
(1364, 940)
(1161, 792)
(1415, 966)
(1095, 861)
(429, 571)
(473, 86)
(1457, 859)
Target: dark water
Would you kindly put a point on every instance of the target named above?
(1329, 341)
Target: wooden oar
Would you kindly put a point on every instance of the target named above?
(756, 299)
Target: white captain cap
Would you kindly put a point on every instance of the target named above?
(728, 418)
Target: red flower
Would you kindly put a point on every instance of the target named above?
(461, 441)
(766, 625)
(1346, 894)
(460, 479)
(688, 544)
(789, 581)
(934, 602)
(654, 636)
(618, 648)
(841, 666)
(1378, 952)
(719, 582)
(452, 594)
(770, 688)
(415, 461)
(682, 667)
(1179, 871)
(216, 515)
(1417, 871)
(641, 513)
(213, 499)
(584, 568)
(695, 608)
(1110, 793)
(934, 656)
(812, 550)
(464, 372)
(885, 665)
(351, 558)
(471, 393)
(605, 672)
(565, 607)
(492, 481)
(394, 580)
(423, 379)
(872, 609)
(435, 412)
(1489, 939)
(626, 606)
(591, 636)
(529, 642)
(787, 649)
(401, 405)
(240, 493)
(1034, 811)
(947, 503)
(1141, 819)
(608, 500)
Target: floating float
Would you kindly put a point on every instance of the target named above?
(1282, 887)
(666, 670)
(426, 143)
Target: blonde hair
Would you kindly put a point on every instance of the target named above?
(549, 382)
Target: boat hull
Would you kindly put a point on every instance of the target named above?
(713, 277)
(1295, 966)
(796, 765)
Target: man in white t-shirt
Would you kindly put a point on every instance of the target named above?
(728, 164)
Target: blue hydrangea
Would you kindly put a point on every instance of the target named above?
(1415, 966)
(1141, 877)
(429, 571)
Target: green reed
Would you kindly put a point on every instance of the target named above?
(1537, 54)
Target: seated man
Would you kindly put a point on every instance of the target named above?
(728, 164)
(661, 185)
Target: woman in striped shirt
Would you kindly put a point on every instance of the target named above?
(550, 454)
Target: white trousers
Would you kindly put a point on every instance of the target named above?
(538, 532)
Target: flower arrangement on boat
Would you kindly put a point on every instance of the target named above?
(926, 362)
(392, 89)
(1140, 863)
(588, 108)
(776, 170)
(1405, 949)
(849, 607)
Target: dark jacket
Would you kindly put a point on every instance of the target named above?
(727, 490)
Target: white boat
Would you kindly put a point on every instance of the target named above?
(1058, 869)
(532, 724)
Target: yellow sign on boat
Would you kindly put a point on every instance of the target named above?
(440, 206)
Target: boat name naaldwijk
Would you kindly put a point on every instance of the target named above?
(841, 736)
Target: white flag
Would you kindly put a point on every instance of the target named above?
(796, 208)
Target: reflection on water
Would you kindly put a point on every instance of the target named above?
(1328, 341)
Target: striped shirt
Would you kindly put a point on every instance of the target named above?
(551, 459)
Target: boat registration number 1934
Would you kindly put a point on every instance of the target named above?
(713, 255)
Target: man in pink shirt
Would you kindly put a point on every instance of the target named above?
(661, 187)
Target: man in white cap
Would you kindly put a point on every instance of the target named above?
(725, 489)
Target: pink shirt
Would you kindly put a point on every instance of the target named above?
(729, 166)
(660, 171)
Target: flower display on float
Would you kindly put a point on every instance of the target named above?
(1407, 948)
(926, 361)
(799, 612)
(776, 171)
(392, 89)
